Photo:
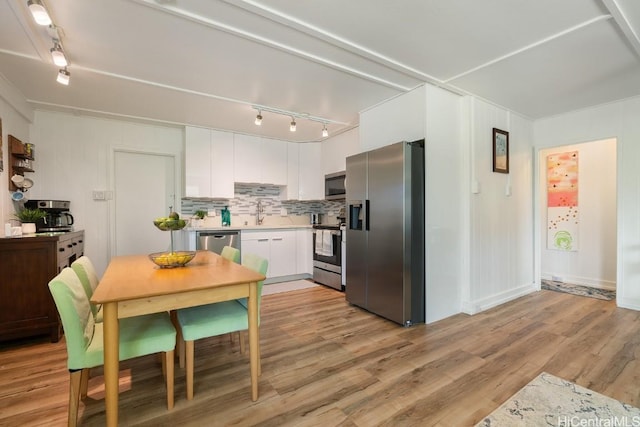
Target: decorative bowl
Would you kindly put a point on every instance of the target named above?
(169, 224)
(172, 259)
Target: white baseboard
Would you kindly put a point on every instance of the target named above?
(631, 304)
(287, 278)
(474, 307)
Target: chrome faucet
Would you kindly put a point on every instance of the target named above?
(259, 210)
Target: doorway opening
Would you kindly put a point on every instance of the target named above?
(577, 213)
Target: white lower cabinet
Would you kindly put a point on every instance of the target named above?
(304, 251)
(277, 246)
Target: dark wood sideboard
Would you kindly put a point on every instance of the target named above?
(27, 264)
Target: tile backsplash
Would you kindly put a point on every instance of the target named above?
(246, 200)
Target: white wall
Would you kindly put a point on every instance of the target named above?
(594, 263)
(500, 213)
(446, 262)
(399, 119)
(14, 122)
(75, 155)
(616, 120)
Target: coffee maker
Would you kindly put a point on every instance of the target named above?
(58, 218)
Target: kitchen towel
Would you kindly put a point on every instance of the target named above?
(327, 243)
(319, 238)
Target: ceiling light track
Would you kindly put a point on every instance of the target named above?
(293, 124)
(42, 17)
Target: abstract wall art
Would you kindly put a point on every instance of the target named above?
(562, 201)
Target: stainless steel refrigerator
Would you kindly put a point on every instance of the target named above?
(385, 232)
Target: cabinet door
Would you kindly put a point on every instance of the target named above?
(222, 165)
(257, 246)
(246, 156)
(311, 179)
(197, 160)
(274, 162)
(304, 251)
(283, 253)
(292, 188)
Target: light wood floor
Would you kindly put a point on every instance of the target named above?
(326, 363)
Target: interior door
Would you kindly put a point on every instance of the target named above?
(144, 188)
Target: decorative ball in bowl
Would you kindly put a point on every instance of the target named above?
(172, 259)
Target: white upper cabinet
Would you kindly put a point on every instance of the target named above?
(247, 158)
(222, 167)
(208, 163)
(197, 159)
(274, 162)
(260, 160)
(291, 192)
(311, 179)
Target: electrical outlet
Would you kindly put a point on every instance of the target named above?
(556, 278)
(99, 195)
(211, 212)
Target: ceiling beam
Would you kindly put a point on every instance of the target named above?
(202, 20)
(625, 26)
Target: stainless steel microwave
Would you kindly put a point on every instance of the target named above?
(334, 186)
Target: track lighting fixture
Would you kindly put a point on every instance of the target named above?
(58, 54)
(63, 76)
(39, 12)
(294, 116)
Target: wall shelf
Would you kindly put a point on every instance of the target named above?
(22, 157)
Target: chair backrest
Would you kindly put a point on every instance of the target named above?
(88, 277)
(230, 253)
(75, 313)
(259, 264)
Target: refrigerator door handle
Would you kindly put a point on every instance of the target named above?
(366, 215)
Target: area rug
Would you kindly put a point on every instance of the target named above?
(580, 290)
(295, 285)
(551, 401)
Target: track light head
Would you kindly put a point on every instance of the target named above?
(258, 121)
(39, 12)
(325, 132)
(63, 76)
(58, 55)
(292, 127)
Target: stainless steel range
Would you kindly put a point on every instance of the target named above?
(328, 255)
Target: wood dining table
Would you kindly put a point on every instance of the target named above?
(133, 285)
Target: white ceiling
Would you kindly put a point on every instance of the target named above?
(209, 62)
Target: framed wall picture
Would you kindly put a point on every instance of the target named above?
(500, 151)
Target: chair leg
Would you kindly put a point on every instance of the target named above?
(179, 338)
(169, 374)
(84, 383)
(74, 396)
(189, 356)
(243, 349)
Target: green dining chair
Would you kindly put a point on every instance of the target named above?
(139, 336)
(217, 319)
(89, 279)
(230, 253)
